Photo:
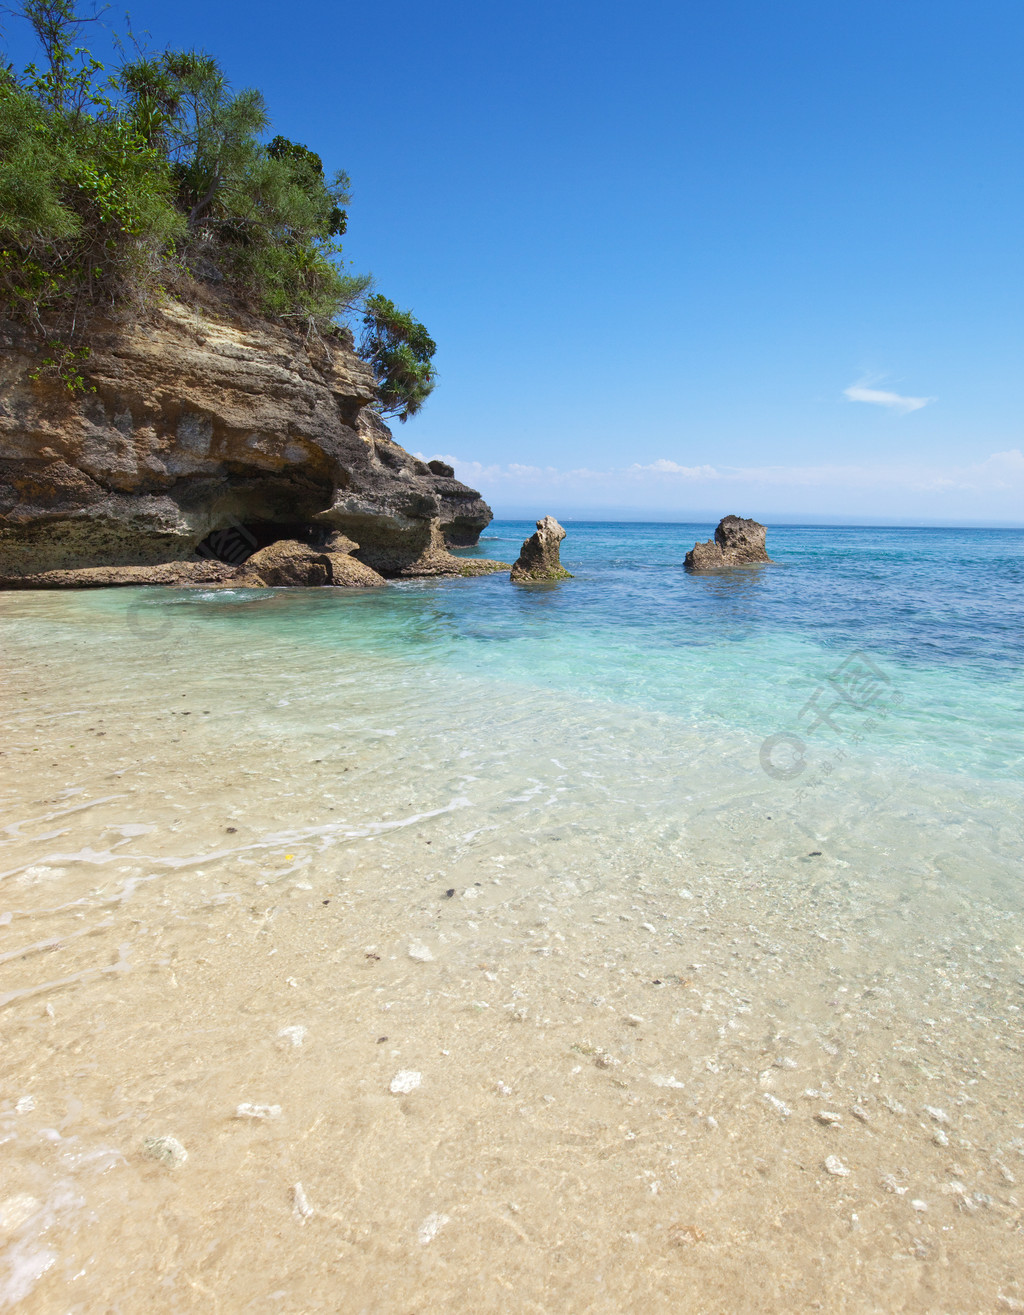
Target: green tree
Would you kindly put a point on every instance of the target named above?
(307, 170)
(86, 208)
(400, 352)
(182, 103)
(267, 212)
(112, 185)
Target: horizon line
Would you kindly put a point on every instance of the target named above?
(785, 521)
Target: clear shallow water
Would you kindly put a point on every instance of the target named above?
(939, 614)
(227, 814)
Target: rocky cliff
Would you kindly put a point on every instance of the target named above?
(205, 436)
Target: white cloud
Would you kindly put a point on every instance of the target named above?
(994, 485)
(664, 467)
(477, 474)
(893, 401)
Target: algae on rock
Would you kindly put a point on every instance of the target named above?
(539, 556)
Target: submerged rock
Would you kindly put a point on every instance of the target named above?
(539, 555)
(165, 1150)
(737, 542)
(301, 1207)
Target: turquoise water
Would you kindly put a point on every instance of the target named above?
(937, 613)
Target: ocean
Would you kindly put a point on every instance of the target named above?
(644, 940)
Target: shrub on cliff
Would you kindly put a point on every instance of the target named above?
(268, 213)
(86, 208)
(112, 184)
(401, 353)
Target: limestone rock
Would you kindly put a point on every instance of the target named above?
(423, 551)
(288, 563)
(349, 572)
(206, 421)
(539, 555)
(737, 542)
(105, 577)
(285, 563)
(340, 543)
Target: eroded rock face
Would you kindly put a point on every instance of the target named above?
(539, 556)
(350, 573)
(737, 542)
(206, 421)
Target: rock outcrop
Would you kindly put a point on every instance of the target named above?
(289, 563)
(206, 436)
(737, 542)
(106, 577)
(539, 556)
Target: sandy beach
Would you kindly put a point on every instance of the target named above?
(466, 997)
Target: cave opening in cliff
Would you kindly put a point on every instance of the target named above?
(248, 513)
(236, 542)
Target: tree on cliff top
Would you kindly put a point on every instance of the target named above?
(266, 212)
(86, 207)
(112, 185)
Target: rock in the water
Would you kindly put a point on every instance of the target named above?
(285, 563)
(300, 1204)
(288, 563)
(350, 573)
(737, 542)
(430, 1228)
(248, 1111)
(165, 1150)
(538, 558)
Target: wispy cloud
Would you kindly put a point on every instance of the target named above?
(665, 467)
(892, 401)
(1000, 473)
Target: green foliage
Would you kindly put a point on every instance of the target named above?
(307, 171)
(269, 211)
(33, 166)
(182, 102)
(110, 183)
(401, 352)
(64, 362)
(86, 207)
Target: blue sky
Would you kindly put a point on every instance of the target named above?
(681, 259)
